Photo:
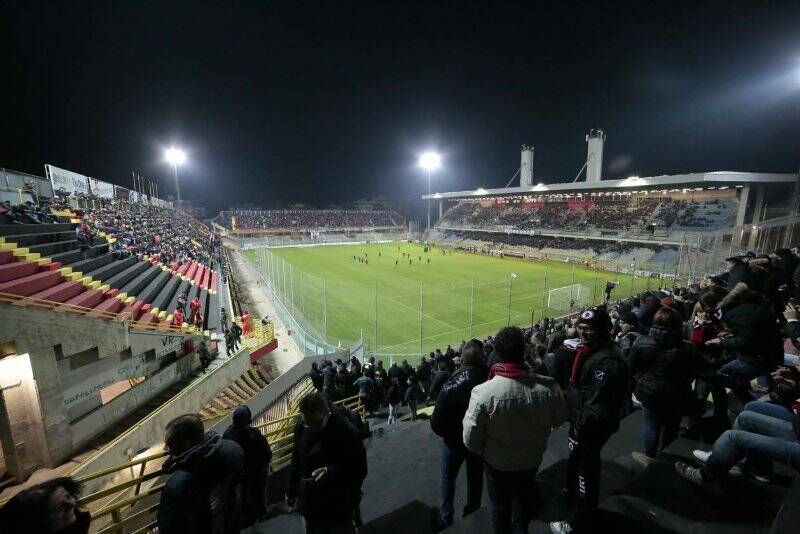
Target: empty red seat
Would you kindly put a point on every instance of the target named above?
(134, 311)
(52, 266)
(87, 299)
(206, 278)
(148, 317)
(111, 293)
(111, 305)
(60, 292)
(28, 285)
(6, 256)
(17, 269)
(198, 276)
(192, 270)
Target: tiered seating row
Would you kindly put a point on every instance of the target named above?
(143, 290)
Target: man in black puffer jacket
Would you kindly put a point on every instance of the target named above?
(204, 491)
(329, 464)
(752, 337)
(257, 455)
(664, 365)
(598, 386)
(446, 422)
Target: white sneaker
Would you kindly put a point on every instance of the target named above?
(641, 458)
(701, 455)
(560, 527)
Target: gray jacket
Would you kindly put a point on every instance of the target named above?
(509, 420)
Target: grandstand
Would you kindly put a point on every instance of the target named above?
(296, 221)
(89, 287)
(701, 217)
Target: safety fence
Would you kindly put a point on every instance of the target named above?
(404, 321)
(161, 327)
(132, 504)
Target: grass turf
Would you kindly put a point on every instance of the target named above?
(462, 295)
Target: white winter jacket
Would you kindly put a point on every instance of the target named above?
(509, 420)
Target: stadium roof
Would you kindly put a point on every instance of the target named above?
(707, 180)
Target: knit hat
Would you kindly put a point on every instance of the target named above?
(242, 416)
(629, 318)
(595, 318)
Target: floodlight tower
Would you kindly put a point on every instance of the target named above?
(594, 155)
(175, 157)
(430, 161)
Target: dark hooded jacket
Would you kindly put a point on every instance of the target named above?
(595, 397)
(316, 378)
(647, 311)
(737, 274)
(438, 380)
(663, 366)
(452, 404)
(203, 492)
(338, 447)
(328, 380)
(755, 337)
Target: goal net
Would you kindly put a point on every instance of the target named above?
(568, 298)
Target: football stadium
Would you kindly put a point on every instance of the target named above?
(405, 299)
(355, 284)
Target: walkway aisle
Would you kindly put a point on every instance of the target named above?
(255, 299)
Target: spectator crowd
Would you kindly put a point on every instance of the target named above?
(676, 352)
(611, 213)
(140, 229)
(539, 242)
(308, 219)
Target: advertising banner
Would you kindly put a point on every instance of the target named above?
(121, 192)
(68, 181)
(101, 189)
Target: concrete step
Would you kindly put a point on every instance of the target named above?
(135, 286)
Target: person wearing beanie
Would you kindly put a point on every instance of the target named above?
(598, 386)
(508, 423)
(626, 337)
(257, 455)
(647, 311)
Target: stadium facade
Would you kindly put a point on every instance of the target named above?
(705, 216)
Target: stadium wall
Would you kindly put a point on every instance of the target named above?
(149, 432)
(64, 352)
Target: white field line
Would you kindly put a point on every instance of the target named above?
(448, 325)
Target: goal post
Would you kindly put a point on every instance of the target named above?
(568, 298)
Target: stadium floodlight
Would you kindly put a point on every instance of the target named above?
(430, 161)
(175, 157)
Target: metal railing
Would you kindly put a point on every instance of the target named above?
(92, 313)
(121, 512)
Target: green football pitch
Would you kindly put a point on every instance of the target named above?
(401, 303)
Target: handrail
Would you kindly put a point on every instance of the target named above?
(280, 455)
(282, 448)
(19, 300)
(120, 467)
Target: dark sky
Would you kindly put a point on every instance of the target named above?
(333, 101)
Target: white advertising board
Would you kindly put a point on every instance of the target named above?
(69, 181)
(101, 189)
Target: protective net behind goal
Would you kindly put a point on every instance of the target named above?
(568, 298)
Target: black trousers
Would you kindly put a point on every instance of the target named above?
(514, 495)
(583, 477)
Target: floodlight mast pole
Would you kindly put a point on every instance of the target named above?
(177, 186)
(428, 227)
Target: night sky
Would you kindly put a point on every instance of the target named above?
(331, 102)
